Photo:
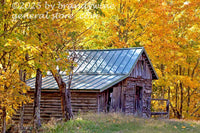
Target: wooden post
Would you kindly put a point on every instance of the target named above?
(98, 102)
(106, 102)
(167, 109)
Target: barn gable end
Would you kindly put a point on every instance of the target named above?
(143, 68)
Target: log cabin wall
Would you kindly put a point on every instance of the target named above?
(129, 92)
(51, 105)
(103, 101)
(84, 102)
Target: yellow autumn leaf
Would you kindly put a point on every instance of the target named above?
(9, 40)
(7, 84)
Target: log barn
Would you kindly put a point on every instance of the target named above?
(110, 80)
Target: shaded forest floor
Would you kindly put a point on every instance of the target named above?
(118, 123)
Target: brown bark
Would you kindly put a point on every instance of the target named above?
(188, 99)
(37, 98)
(176, 94)
(176, 112)
(195, 111)
(195, 67)
(188, 93)
(181, 102)
(65, 92)
(179, 109)
(169, 91)
(65, 97)
(68, 97)
(169, 95)
(3, 108)
(3, 120)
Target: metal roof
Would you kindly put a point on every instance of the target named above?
(98, 69)
(83, 82)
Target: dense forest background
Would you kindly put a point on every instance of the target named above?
(34, 34)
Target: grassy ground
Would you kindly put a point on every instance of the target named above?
(118, 123)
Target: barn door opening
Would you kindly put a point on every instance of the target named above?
(116, 99)
(138, 101)
(109, 97)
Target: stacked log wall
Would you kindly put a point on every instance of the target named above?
(130, 94)
(84, 102)
(51, 105)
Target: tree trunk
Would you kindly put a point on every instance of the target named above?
(188, 100)
(37, 98)
(3, 120)
(68, 98)
(169, 91)
(188, 93)
(176, 98)
(181, 102)
(68, 104)
(176, 113)
(65, 97)
(21, 122)
(195, 111)
(4, 109)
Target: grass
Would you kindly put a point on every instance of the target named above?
(119, 123)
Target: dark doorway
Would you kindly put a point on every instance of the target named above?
(110, 92)
(138, 100)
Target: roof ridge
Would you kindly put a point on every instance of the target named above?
(110, 49)
(89, 74)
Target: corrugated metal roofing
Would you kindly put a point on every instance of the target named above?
(85, 82)
(115, 61)
(98, 69)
